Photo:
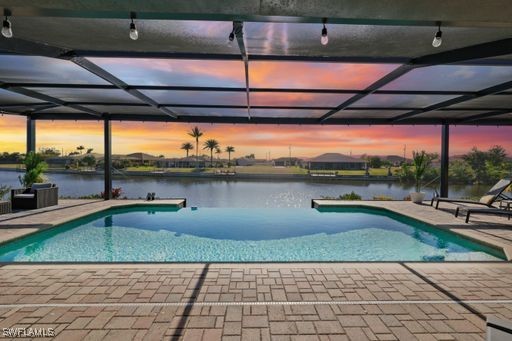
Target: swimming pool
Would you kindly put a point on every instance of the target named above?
(167, 233)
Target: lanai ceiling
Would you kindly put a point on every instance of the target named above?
(75, 60)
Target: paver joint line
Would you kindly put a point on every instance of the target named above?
(250, 303)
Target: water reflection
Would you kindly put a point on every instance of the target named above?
(236, 193)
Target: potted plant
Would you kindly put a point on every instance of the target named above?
(34, 168)
(421, 161)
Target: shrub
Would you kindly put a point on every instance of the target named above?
(350, 196)
(382, 197)
(116, 193)
(4, 190)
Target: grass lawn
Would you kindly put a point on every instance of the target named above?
(259, 169)
(270, 170)
(12, 165)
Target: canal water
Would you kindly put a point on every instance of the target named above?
(234, 193)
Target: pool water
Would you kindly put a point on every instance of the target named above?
(167, 233)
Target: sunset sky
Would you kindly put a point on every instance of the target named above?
(305, 141)
(161, 138)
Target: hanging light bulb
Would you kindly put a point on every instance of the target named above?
(231, 38)
(6, 28)
(324, 40)
(134, 34)
(438, 38)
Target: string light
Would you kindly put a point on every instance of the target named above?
(134, 34)
(7, 28)
(324, 39)
(438, 38)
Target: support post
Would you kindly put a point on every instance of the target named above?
(107, 133)
(31, 134)
(445, 159)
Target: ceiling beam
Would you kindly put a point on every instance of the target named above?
(234, 106)
(46, 98)
(98, 71)
(367, 12)
(485, 92)
(479, 51)
(230, 89)
(485, 116)
(399, 72)
(266, 120)
(238, 30)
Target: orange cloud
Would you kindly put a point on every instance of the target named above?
(315, 75)
(166, 138)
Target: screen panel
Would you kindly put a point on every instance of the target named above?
(61, 110)
(175, 72)
(506, 118)
(400, 101)
(362, 114)
(264, 38)
(449, 114)
(9, 97)
(309, 75)
(452, 78)
(299, 99)
(124, 109)
(283, 113)
(216, 112)
(89, 95)
(112, 34)
(32, 69)
(495, 101)
(197, 97)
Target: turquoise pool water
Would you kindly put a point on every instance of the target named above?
(164, 233)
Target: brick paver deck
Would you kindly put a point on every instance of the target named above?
(285, 301)
(356, 301)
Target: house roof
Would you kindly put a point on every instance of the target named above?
(336, 157)
(143, 156)
(287, 159)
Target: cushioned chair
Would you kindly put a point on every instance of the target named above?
(488, 199)
(38, 196)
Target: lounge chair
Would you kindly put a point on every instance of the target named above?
(488, 211)
(38, 196)
(488, 199)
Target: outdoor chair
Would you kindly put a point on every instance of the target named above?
(488, 199)
(39, 195)
(5, 207)
(488, 211)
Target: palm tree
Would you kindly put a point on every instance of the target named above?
(187, 146)
(80, 148)
(211, 144)
(196, 133)
(218, 151)
(229, 150)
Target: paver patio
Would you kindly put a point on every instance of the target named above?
(239, 301)
(278, 301)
